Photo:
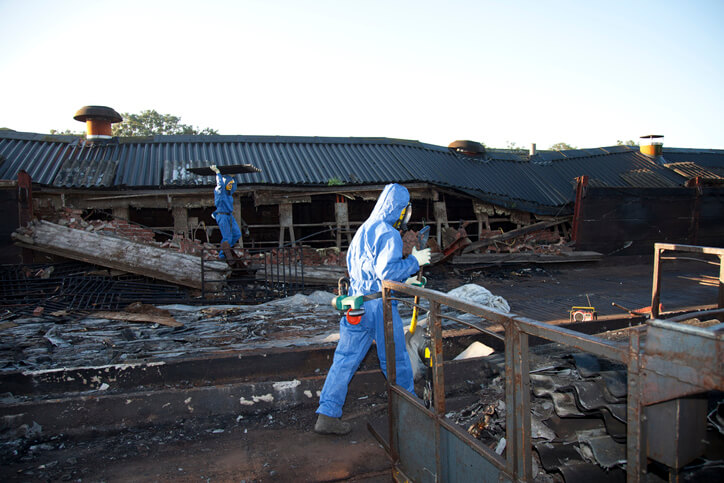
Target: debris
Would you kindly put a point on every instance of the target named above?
(476, 294)
(500, 446)
(134, 317)
(131, 256)
(476, 349)
(38, 311)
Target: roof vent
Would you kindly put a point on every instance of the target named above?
(98, 120)
(468, 148)
(652, 145)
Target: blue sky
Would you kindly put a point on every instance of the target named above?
(585, 73)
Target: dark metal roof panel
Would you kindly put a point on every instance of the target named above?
(78, 173)
(646, 178)
(40, 158)
(693, 170)
(708, 158)
(545, 179)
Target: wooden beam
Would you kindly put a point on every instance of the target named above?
(133, 317)
(122, 254)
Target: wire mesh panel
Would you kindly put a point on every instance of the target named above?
(79, 286)
(259, 275)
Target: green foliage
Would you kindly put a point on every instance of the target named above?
(514, 147)
(562, 146)
(335, 182)
(630, 142)
(150, 122)
(67, 132)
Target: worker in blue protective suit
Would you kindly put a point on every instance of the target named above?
(224, 214)
(375, 254)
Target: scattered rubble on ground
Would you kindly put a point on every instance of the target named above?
(578, 417)
(48, 342)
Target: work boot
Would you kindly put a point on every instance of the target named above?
(327, 425)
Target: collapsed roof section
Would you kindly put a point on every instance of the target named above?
(542, 183)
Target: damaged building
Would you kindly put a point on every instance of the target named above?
(319, 189)
(106, 353)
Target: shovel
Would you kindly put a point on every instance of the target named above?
(422, 237)
(413, 343)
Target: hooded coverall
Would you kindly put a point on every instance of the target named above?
(375, 254)
(224, 214)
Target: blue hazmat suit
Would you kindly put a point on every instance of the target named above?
(375, 254)
(224, 214)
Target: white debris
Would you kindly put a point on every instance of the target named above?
(479, 295)
(476, 349)
(286, 385)
(501, 446)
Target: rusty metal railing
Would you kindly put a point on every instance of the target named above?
(676, 361)
(661, 248)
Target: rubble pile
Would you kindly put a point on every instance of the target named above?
(578, 417)
(49, 341)
(543, 241)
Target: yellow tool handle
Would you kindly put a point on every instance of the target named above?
(413, 322)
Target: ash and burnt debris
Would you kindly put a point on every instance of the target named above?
(578, 419)
(49, 342)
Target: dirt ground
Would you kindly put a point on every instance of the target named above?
(278, 446)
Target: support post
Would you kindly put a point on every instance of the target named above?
(391, 370)
(635, 425)
(341, 215)
(656, 285)
(440, 219)
(237, 217)
(286, 221)
(582, 183)
(438, 379)
(25, 208)
(180, 220)
(518, 459)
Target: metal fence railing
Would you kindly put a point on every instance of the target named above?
(676, 361)
(257, 276)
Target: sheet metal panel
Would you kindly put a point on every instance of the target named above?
(416, 442)
(462, 463)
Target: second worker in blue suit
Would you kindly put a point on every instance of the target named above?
(224, 214)
(375, 254)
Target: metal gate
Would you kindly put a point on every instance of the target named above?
(677, 360)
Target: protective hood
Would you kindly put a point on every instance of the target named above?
(393, 199)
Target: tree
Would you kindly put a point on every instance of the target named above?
(630, 142)
(150, 122)
(513, 146)
(562, 146)
(67, 132)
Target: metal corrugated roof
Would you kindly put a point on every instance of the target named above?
(512, 178)
(692, 170)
